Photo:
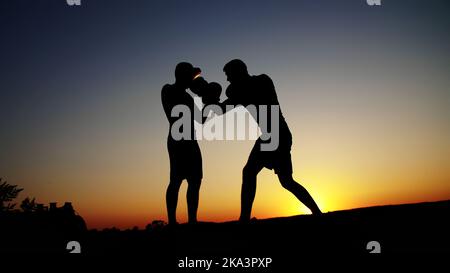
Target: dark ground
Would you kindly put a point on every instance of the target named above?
(412, 229)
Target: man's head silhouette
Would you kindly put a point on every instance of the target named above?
(185, 73)
(236, 71)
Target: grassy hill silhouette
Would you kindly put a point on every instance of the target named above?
(409, 228)
(400, 229)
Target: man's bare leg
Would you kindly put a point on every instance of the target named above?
(288, 182)
(172, 200)
(192, 196)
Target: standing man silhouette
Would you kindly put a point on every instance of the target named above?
(184, 154)
(245, 90)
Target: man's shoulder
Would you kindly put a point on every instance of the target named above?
(262, 77)
(166, 90)
(167, 87)
(170, 93)
(263, 82)
(166, 97)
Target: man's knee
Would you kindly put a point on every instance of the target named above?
(174, 183)
(249, 171)
(194, 182)
(286, 181)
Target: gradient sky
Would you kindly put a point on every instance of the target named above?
(365, 91)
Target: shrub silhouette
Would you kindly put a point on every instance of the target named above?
(28, 205)
(8, 193)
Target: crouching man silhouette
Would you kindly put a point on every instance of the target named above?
(246, 90)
